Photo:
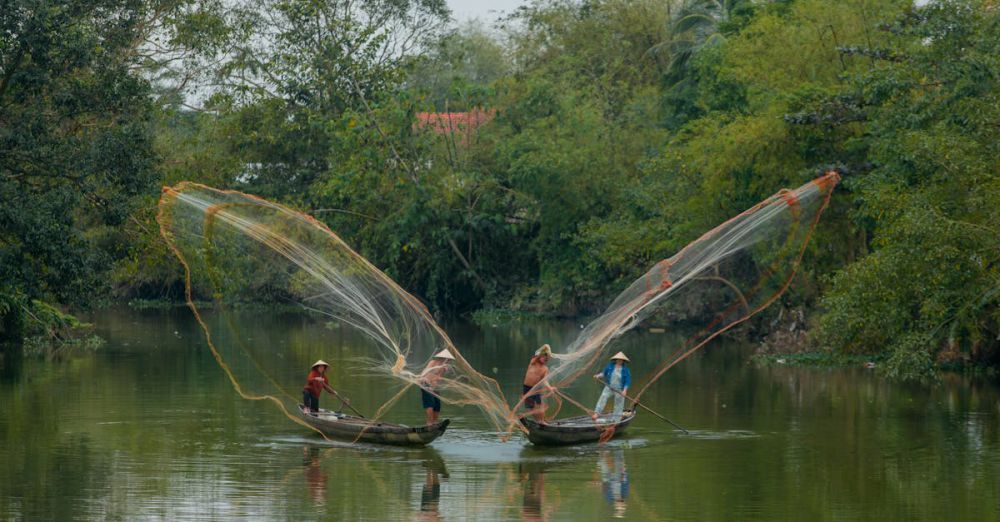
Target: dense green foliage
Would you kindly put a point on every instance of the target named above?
(931, 115)
(75, 148)
(76, 145)
(619, 131)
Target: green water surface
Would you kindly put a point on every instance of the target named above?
(148, 427)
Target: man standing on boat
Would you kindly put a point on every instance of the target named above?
(537, 372)
(315, 384)
(616, 378)
(428, 382)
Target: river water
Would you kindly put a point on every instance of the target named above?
(148, 427)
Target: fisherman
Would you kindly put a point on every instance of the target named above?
(537, 372)
(428, 382)
(616, 378)
(315, 384)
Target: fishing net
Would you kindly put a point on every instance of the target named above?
(715, 283)
(239, 249)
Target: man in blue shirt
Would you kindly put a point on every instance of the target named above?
(616, 378)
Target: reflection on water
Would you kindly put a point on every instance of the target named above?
(430, 494)
(148, 427)
(11, 357)
(533, 478)
(614, 479)
(316, 478)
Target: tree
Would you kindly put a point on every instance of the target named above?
(458, 72)
(693, 25)
(74, 147)
(927, 293)
(299, 66)
(75, 143)
(690, 55)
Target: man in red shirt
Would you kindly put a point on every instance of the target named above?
(315, 384)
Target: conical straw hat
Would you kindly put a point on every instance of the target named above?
(318, 363)
(544, 350)
(445, 354)
(620, 355)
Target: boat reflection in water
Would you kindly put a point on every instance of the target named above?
(614, 479)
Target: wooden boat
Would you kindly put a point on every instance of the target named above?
(347, 427)
(574, 430)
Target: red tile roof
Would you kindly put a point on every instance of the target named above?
(461, 123)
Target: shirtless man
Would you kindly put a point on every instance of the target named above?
(537, 372)
(428, 382)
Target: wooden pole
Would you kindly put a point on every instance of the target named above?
(346, 403)
(637, 403)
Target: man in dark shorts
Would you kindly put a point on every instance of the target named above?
(531, 401)
(537, 372)
(430, 402)
(429, 380)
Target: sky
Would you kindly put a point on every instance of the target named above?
(485, 10)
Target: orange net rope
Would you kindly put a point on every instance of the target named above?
(714, 283)
(237, 248)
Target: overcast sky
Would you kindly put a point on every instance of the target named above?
(486, 11)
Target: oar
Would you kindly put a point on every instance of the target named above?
(346, 403)
(637, 403)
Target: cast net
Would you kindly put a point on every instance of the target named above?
(716, 282)
(239, 249)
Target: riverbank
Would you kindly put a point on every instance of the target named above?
(782, 336)
(817, 359)
(878, 363)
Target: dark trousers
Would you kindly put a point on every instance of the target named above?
(310, 401)
(429, 400)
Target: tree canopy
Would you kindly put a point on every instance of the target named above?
(616, 132)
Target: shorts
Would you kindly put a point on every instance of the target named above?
(532, 401)
(310, 401)
(430, 400)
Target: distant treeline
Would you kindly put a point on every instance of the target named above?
(616, 131)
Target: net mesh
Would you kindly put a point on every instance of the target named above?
(716, 282)
(238, 248)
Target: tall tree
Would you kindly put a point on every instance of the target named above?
(458, 72)
(930, 113)
(696, 30)
(693, 25)
(299, 66)
(75, 141)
